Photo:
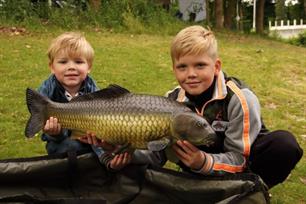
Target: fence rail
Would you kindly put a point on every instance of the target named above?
(287, 29)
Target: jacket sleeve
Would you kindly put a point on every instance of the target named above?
(243, 127)
(45, 89)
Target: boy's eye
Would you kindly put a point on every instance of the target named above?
(200, 65)
(62, 61)
(79, 61)
(181, 67)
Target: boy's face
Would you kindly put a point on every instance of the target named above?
(70, 71)
(195, 73)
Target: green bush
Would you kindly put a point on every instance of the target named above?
(16, 10)
(133, 15)
(300, 40)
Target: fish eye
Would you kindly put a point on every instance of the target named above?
(200, 124)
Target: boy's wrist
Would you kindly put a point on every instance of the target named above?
(208, 165)
(56, 138)
(106, 159)
(202, 163)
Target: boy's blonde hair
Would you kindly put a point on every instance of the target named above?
(73, 44)
(194, 40)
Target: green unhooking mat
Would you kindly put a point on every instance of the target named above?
(82, 179)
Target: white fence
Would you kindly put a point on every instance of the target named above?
(287, 30)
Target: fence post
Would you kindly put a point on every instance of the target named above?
(270, 24)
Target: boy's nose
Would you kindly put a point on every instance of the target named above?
(71, 66)
(191, 72)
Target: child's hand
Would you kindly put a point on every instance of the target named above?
(52, 127)
(120, 161)
(190, 155)
(90, 138)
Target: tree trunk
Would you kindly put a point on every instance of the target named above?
(219, 13)
(260, 16)
(241, 14)
(229, 13)
(304, 9)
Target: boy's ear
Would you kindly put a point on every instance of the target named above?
(51, 68)
(217, 66)
(89, 69)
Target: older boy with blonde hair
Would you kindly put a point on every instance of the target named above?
(233, 111)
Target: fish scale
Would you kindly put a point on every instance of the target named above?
(111, 127)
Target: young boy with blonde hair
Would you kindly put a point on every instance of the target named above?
(70, 61)
(233, 111)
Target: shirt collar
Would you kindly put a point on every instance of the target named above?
(69, 96)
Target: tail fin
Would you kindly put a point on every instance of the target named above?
(37, 105)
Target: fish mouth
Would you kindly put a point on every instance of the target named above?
(205, 142)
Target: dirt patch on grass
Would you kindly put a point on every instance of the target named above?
(13, 30)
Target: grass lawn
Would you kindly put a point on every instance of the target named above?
(141, 63)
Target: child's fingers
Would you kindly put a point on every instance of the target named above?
(83, 139)
(47, 125)
(115, 162)
(180, 153)
(120, 161)
(127, 158)
(51, 123)
(184, 147)
(94, 140)
(59, 128)
(89, 140)
(190, 146)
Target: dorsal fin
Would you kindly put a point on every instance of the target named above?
(112, 91)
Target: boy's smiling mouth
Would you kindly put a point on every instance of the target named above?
(71, 75)
(193, 83)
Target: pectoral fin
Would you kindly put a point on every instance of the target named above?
(158, 145)
(171, 156)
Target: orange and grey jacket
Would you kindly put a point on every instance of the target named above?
(234, 114)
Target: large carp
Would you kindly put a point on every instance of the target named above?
(120, 117)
